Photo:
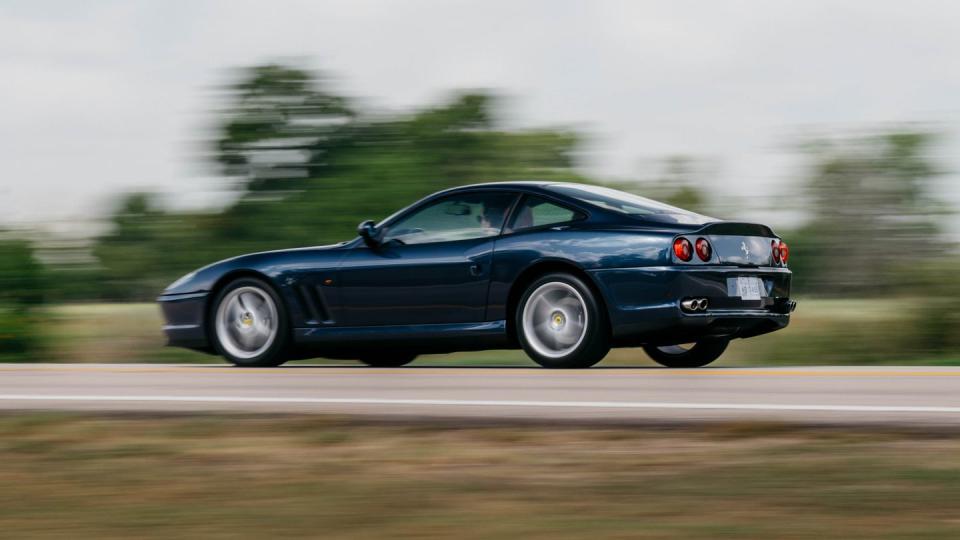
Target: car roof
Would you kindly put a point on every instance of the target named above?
(593, 210)
(511, 184)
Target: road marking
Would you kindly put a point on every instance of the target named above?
(488, 403)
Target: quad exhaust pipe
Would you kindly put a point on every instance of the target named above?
(694, 304)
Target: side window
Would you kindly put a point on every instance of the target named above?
(457, 217)
(536, 212)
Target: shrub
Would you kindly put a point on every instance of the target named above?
(20, 337)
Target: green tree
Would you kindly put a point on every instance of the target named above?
(279, 126)
(21, 291)
(21, 275)
(146, 248)
(871, 213)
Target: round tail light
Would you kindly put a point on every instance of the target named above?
(682, 249)
(704, 251)
(784, 252)
(776, 251)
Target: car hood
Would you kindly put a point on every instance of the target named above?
(203, 279)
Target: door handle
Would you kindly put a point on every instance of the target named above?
(475, 270)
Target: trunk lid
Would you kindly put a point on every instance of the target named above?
(741, 244)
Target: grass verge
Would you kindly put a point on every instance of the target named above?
(223, 476)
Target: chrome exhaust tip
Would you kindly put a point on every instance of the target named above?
(694, 304)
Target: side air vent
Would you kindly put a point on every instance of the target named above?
(314, 307)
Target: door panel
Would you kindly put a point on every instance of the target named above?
(417, 284)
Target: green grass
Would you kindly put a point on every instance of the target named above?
(210, 476)
(820, 332)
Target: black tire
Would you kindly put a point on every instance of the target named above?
(273, 355)
(388, 359)
(675, 356)
(595, 341)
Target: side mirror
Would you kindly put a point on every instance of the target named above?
(368, 231)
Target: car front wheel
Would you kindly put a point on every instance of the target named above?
(560, 323)
(693, 355)
(249, 324)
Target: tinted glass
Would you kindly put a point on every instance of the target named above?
(457, 217)
(535, 212)
(619, 201)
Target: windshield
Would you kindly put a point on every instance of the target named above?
(618, 201)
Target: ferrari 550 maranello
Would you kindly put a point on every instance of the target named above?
(564, 271)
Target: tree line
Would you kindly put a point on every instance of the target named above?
(305, 165)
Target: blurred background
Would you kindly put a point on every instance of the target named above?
(139, 141)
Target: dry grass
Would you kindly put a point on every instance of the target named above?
(210, 476)
(111, 333)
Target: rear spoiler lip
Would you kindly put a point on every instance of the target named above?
(739, 228)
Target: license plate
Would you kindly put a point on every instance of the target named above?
(747, 288)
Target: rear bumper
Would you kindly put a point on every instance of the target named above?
(644, 303)
(183, 316)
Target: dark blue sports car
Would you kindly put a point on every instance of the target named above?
(565, 271)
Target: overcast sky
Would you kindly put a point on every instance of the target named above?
(99, 97)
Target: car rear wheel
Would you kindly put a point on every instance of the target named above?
(249, 324)
(692, 355)
(388, 359)
(560, 323)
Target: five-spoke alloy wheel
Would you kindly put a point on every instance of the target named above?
(249, 324)
(560, 324)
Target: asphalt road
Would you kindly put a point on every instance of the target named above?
(809, 395)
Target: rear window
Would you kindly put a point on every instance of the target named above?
(618, 201)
